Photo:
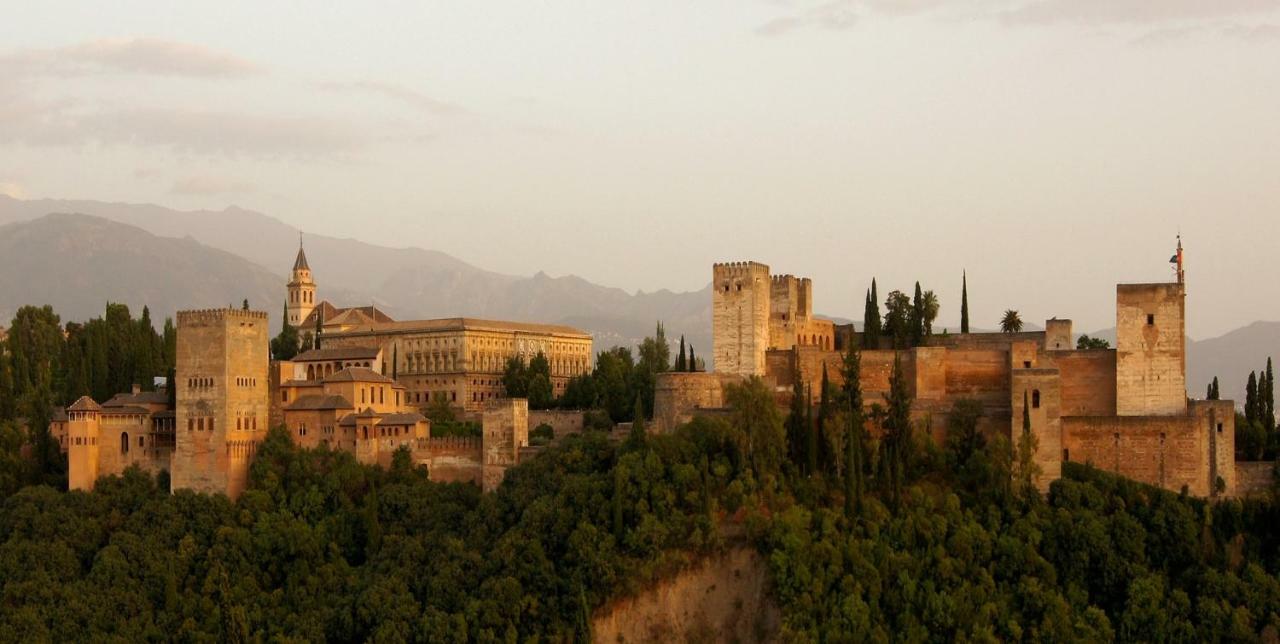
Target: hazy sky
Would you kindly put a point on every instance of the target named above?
(1049, 147)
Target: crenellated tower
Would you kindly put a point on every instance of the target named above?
(302, 289)
(740, 307)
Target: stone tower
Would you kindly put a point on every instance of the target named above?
(82, 443)
(222, 398)
(1057, 335)
(302, 289)
(740, 304)
(1151, 356)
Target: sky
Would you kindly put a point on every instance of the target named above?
(1048, 148)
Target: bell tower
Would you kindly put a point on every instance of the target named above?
(302, 289)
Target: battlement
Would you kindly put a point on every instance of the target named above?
(209, 316)
(739, 269)
(453, 442)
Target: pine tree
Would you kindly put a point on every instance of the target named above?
(681, 363)
(964, 302)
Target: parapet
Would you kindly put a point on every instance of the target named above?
(739, 269)
(206, 316)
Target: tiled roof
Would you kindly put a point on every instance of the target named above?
(84, 403)
(140, 398)
(402, 419)
(301, 262)
(359, 374)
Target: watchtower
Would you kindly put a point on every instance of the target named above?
(1151, 357)
(222, 398)
(740, 304)
(83, 428)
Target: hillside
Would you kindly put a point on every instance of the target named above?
(408, 282)
(78, 263)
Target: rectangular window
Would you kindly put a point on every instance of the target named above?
(1151, 319)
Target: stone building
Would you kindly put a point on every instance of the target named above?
(135, 428)
(1124, 410)
(456, 360)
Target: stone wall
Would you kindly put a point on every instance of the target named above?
(740, 304)
(452, 459)
(1254, 477)
(1167, 451)
(562, 421)
(678, 396)
(1151, 363)
(1088, 381)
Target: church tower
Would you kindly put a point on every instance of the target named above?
(302, 289)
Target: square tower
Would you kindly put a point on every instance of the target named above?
(222, 398)
(1151, 357)
(506, 430)
(740, 303)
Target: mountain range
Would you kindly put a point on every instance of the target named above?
(79, 255)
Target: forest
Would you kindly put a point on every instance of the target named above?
(321, 547)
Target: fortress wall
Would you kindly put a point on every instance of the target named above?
(1167, 451)
(678, 395)
(1088, 381)
(562, 421)
(980, 374)
(1254, 477)
(995, 341)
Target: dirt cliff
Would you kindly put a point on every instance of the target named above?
(724, 598)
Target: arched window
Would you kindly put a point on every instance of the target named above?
(124, 443)
(1035, 399)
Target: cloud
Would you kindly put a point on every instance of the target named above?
(129, 55)
(1253, 33)
(1099, 12)
(835, 15)
(400, 93)
(201, 185)
(67, 123)
(13, 189)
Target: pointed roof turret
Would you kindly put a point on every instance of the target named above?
(300, 264)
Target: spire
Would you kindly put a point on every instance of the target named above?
(301, 262)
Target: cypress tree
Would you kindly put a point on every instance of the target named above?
(1217, 391)
(964, 302)
(319, 323)
(810, 449)
(917, 317)
(795, 420)
(681, 364)
(1251, 397)
(395, 362)
(853, 438)
(693, 362)
(816, 444)
(245, 305)
(1269, 398)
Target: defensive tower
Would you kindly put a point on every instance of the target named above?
(1151, 358)
(222, 398)
(740, 306)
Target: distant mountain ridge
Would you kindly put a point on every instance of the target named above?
(407, 282)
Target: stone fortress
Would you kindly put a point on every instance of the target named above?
(363, 391)
(1124, 410)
